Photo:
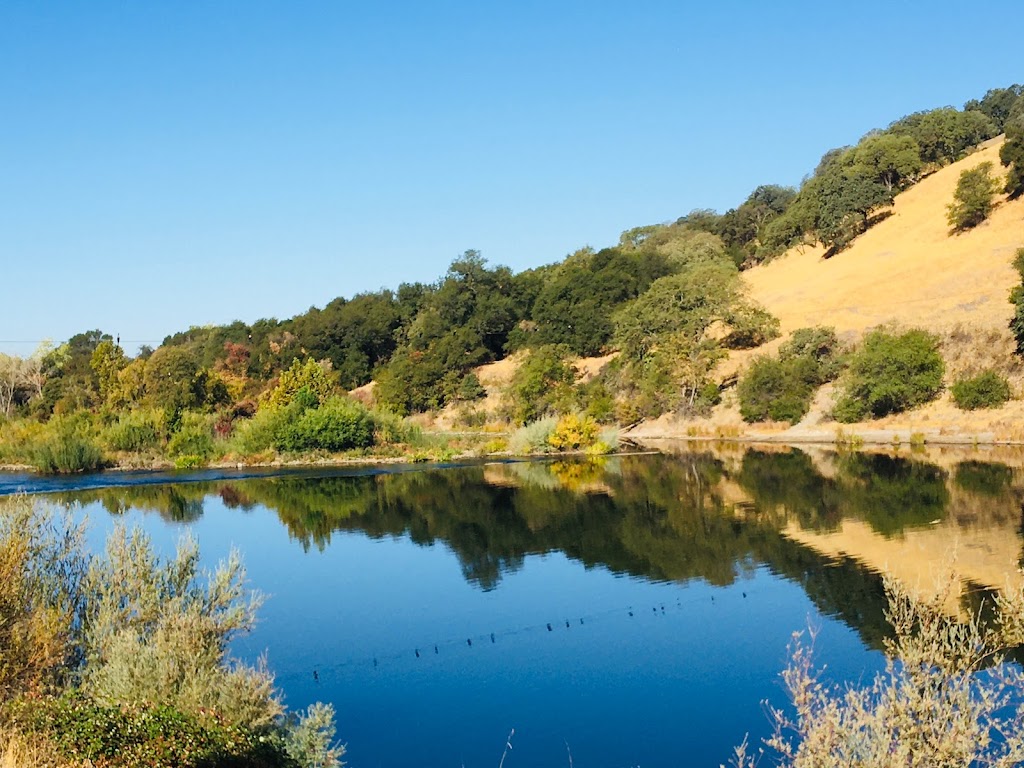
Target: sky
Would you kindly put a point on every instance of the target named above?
(171, 164)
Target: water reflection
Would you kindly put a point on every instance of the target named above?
(829, 521)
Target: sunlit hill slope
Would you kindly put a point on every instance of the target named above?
(906, 270)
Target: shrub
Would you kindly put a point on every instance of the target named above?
(259, 433)
(986, 390)
(974, 198)
(946, 697)
(65, 446)
(130, 628)
(340, 424)
(148, 736)
(820, 344)
(309, 376)
(889, 374)
(136, 431)
(40, 569)
(543, 384)
(782, 389)
(470, 388)
(1017, 299)
(533, 438)
(390, 428)
(194, 436)
(775, 389)
(574, 433)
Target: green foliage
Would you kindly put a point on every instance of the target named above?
(988, 389)
(174, 380)
(945, 134)
(148, 736)
(780, 390)
(667, 353)
(90, 642)
(66, 445)
(305, 381)
(820, 344)
(135, 431)
(340, 424)
(107, 361)
(974, 198)
(41, 566)
(543, 384)
(463, 323)
(310, 741)
(576, 303)
(470, 388)
(533, 438)
(193, 437)
(997, 104)
(890, 160)
(1011, 155)
(890, 373)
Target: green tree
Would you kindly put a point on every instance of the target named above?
(891, 160)
(890, 373)
(997, 104)
(974, 198)
(107, 361)
(1011, 155)
(666, 329)
(307, 377)
(173, 379)
(945, 134)
(1017, 299)
(543, 384)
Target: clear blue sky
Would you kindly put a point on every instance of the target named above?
(167, 164)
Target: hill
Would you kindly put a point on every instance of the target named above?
(906, 270)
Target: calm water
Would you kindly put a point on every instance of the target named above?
(632, 612)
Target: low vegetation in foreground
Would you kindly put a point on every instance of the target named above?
(121, 659)
(948, 696)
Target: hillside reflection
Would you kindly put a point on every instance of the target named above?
(831, 522)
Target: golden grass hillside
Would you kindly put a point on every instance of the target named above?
(907, 270)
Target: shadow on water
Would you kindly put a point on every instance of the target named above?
(661, 518)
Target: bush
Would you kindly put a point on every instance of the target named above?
(65, 446)
(543, 384)
(470, 388)
(890, 373)
(776, 389)
(194, 436)
(1017, 299)
(947, 695)
(574, 433)
(390, 428)
(533, 438)
(974, 198)
(986, 390)
(148, 736)
(135, 431)
(130, 628)
(782, 389)
(259, 433)
(340, 424)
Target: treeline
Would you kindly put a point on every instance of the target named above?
(668, 297)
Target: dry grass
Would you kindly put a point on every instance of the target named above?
(907, 271)
(907, 268)
(18, 752)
